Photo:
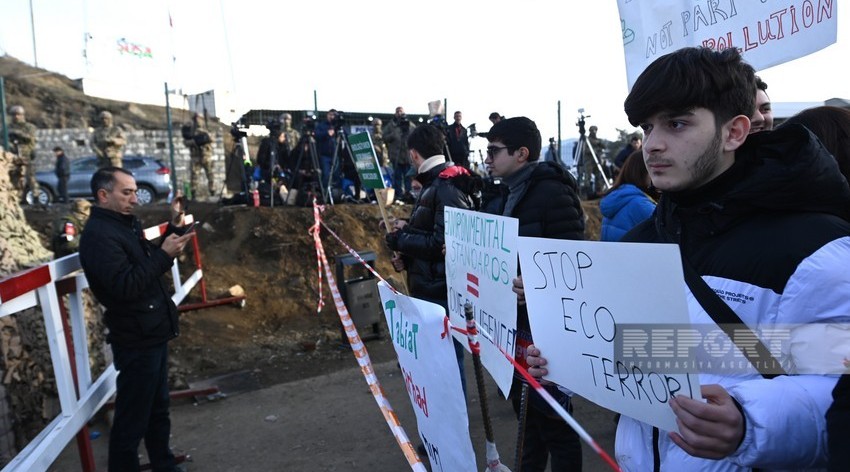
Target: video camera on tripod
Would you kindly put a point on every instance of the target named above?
(591, 176)
(404, 125)
(308, 126)
(238, 131)
(339, 120)
(275, 127)
(580, 122)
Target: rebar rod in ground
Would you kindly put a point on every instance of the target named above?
(472, 332)
(520, 433)
(494, 464)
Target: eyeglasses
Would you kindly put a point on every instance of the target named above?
(493, 150)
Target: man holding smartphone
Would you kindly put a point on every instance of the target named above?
(125, 272)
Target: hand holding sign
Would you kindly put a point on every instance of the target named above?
(712, 430)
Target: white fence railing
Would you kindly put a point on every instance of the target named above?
(38, 287)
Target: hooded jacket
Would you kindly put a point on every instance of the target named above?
(773, 230)
(622, 210)
(421, 240)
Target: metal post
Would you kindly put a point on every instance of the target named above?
(3, 113)
(32, 24)
(170, 142)
(559, 131)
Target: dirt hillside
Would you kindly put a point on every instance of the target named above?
(269, 253)
(266, 251)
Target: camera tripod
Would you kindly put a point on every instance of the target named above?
(340, 148)
(587, 185)
(308, 142)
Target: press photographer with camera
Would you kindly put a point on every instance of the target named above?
(273, 154)
(199, 142)
(326, 143)
(395, 137)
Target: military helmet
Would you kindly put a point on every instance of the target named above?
(16, 110)
(105, 114)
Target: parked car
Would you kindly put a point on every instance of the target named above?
(153, 179)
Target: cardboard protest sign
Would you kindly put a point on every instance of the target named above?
(481, 263)
(766, 33)
(366, 161)
(430, 373)
(579, 296)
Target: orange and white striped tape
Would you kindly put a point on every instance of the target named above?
(362, 354)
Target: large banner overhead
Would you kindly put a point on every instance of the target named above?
(766, 33)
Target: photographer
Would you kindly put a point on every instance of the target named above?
(395, 136)
(326, 143)
(275, 143)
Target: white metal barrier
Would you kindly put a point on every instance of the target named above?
(37, 287)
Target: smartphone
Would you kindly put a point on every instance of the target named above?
(191, 227)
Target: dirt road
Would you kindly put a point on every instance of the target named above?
(328, 423)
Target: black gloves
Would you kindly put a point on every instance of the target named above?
(392, 240)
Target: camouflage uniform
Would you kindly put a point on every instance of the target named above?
(22, 138)
(200, 150)
(108, 142)
(395, 136)
(589, 167)
(69, 228)
(380, 146)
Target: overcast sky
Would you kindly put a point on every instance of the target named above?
(518, 58)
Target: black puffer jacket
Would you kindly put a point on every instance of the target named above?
(421, 240)
(125, 272)
(547, 207)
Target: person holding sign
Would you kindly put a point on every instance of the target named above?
(543, 197)
(420, 241)
(725, 197)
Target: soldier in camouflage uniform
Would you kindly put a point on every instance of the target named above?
(378, 143)
(108, 142)
(69, 228)
(200, 147)
(592, 187)
(22, 139)
(395, 136)
(293, 136)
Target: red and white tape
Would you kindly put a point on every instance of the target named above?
(362, 354)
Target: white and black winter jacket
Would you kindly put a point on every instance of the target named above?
(773, 229)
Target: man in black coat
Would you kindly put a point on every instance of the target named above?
(420, 240)
(458, 141)
(125, 272)
(543, 197)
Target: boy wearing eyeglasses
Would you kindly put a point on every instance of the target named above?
(543, 196)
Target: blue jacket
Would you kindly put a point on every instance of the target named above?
(622, 210)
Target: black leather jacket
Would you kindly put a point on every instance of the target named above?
(125, 272)
(421, 240)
